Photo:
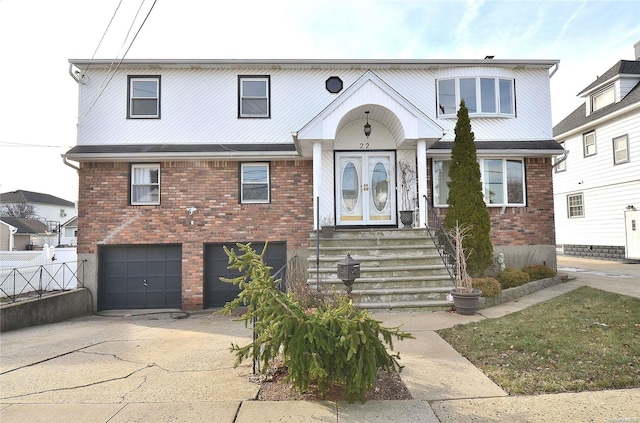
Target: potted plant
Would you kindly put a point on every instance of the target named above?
(465, 296)
(328, 226)
(407, 181)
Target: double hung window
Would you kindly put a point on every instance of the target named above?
(589, 144)
(254, 100)
(575, 205)
(483, 96)
(254, 183)
(145, 184)
(144, 97)
(621, 149)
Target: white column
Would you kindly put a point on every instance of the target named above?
(421, 151)
(317, 180)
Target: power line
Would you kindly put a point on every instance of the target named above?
(19, 144)
(104, 87)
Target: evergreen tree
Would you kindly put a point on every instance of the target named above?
(466, 203)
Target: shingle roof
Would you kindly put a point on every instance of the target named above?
(26, 226)
(506, 146)
(623, 67)
(31, 197)
(578, 117)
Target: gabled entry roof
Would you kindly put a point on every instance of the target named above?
(388, 107)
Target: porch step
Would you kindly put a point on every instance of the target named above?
(399, 268)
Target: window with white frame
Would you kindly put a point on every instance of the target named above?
(145, 184)
(621, 149)
(603, 98)
(483, 96)
(575, 205)
(561, 166)
(144, 97)
(589, 144)
(503, 182)
(254, 98)
(254, 183)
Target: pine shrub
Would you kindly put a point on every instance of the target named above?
(538, 271)
(510, 278)
(466, 201)
(327, 345)
(490, 287)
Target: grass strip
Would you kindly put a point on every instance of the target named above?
(584, 340)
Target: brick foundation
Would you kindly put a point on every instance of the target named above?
(106, 217)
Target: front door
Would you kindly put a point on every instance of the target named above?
(365, 188)
(632, 229)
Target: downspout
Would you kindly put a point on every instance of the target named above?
(557, 65)
(564, 157)
(73, 74)
(71, 165)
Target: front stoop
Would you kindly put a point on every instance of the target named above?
(399, 268)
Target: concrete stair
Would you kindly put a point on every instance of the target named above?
(399, 268)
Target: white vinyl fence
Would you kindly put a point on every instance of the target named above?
(24, 272)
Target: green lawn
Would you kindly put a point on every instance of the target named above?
(584, 340)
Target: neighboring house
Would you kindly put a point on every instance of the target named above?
(69, 232)
(47, 208)
(7, 233)
(180, 157)
(597, 187)
(28, 234)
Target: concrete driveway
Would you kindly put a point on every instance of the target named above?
(170, 367)
(89, 369)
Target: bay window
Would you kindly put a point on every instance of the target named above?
(483, 96)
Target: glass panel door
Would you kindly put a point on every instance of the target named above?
(365, 188)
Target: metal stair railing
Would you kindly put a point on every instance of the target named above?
(440, 238)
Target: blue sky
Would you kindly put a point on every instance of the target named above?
(38, 98)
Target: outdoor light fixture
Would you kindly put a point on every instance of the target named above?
(367, 127)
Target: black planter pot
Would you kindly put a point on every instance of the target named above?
(466, 303)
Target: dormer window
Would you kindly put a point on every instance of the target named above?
(603, 98)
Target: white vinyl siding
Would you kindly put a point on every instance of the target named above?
(300, 96)
(145, 184)
(144, 97)
(607, 188)
(254, 183)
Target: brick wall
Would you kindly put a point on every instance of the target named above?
(105, 216)
(530, 225)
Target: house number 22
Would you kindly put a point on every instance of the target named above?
(364, 146)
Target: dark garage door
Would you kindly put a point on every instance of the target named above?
(218, 293)
(140, 277)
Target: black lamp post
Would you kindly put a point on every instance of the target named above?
(348, 271)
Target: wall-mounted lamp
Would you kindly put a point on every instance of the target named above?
(367, 127)
(631, 207)
(191, 211)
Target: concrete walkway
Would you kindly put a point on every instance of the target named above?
(167, 368)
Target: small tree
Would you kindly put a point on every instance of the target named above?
(466, 202)
(328, 345)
